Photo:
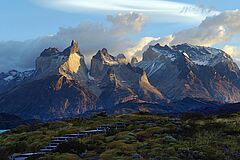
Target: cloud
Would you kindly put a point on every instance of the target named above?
(91, 36)
(143, 44)
(203, 9)
(125, 23)
(213, 30)
(168, 10)
(130, 52)
(234, 52)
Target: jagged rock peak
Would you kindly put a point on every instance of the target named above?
(165, 47)
(73, 48)
(134, 60)
(121, 59)
(49, 52)
(189, 69)
(121, 55)
(100, 63)
(104, 55)
(69, 63)
(104, 51)
(74, 42)
(199, 55)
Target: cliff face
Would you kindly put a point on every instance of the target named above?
(69, 63)
(101, 62)
(13, 78)
(192, 71)
(120, 82)
(134, 60)
(50, 98)
(169, 79)
(59, 88)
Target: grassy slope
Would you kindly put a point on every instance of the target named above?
(191, 137)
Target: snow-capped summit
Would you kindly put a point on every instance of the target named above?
(13, 78)
(16, 75)
(203, 55)
(197, 54)
(168, 79)
(192, 71)
(160, 52)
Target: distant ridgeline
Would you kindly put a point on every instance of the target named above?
(8, 121)
(169, 79)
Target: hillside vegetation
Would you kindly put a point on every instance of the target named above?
(191, 136)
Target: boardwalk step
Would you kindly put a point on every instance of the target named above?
(53, 144)
(51, 147)
(76, 135)
(45, 150)
(58, 141)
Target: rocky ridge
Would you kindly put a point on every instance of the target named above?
(192, 71)
(167, 79)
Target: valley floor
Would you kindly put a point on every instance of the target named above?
(191, 136)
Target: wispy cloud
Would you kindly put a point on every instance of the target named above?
(164, 10)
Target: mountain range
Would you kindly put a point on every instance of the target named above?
(168, 79)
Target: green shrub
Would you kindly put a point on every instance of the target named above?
(73, 146)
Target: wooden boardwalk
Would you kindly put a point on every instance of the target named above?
(53, 144)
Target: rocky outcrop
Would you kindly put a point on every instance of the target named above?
(121, 59)
(50, 52)
(69, 63)
(122, 82)
(60, 87)
(74, 68)
(168, 80)
(13, 78)
(100, 63)
(134, 60)
(192, 71)
(51, 98)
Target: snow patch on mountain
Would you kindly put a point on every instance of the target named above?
(90, 77)
(150, 68)
(203, 55)
(198, 55)
(16, 75)
(9, 78)
(165, 53)
(185, 54)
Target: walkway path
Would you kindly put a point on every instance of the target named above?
(53, 144)
(103, 129)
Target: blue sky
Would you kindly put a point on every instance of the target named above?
(25, 19)
(29, 26)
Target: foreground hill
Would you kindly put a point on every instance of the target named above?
(191, 137)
